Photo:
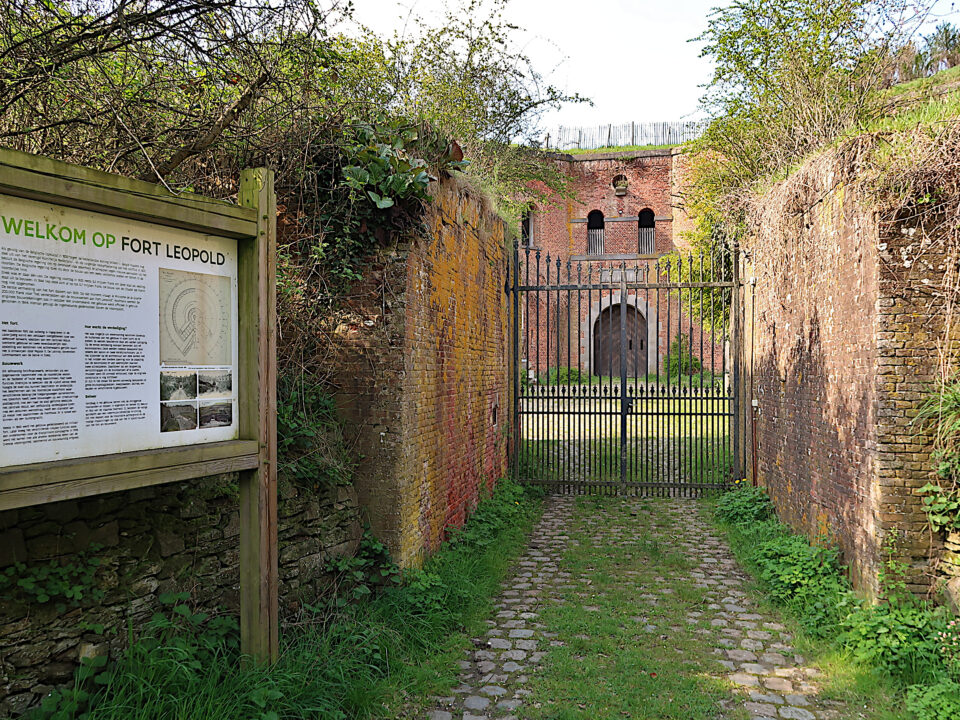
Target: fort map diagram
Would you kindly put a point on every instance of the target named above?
(195, 319)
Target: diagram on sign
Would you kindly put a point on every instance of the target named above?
(195, 319)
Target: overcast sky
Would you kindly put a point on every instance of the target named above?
(633, 58)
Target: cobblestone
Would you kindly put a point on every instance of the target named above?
(754, 653)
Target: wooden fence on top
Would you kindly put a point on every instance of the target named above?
(652, 133)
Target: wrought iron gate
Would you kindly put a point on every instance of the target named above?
(627, 373)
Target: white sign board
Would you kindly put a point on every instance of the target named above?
(115, 335)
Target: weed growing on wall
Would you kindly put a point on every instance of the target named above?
(940, 413)
(310, 445)
(59, 582)
(907, 640)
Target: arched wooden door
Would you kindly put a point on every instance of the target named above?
(607, 341)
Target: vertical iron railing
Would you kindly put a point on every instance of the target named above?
(626, 376)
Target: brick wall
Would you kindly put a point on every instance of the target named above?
(168, 538)
(649, 183)
(842, 353)
(909, 338)
(423, 373)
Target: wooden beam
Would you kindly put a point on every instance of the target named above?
(89, 486)
(40, 178)
(64, 471)
(259, 622)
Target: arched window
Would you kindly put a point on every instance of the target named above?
(647, 242)
(595, 233)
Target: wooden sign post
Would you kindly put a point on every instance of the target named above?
(138, 347)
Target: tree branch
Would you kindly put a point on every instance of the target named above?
(226, 118)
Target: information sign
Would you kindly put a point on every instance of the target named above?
(115, 335)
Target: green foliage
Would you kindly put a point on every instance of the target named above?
(680, 359)
(61, 581)
(789, 79)
(310, 446)
(940, 414)
(942, 506)
(805, 578)
(950, 646)
(790, 76)
(568, 376)
(175, 647)
(362, 574)
(797, 575)
(939, 701)
(900, 637)
(745, 506)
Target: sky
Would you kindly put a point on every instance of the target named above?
(633, 58)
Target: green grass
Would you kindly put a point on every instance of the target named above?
(368, 659)
(925, 85)
(610, 667)
(696, 380)
(586, 447)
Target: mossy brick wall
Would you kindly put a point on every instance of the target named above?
(422, 369)
(841, 356)
(168, 538)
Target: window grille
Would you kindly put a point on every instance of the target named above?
(647, 242)
(595, 241)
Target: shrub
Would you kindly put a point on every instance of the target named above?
(680, 360)
(744, 506)
(568, 375)
(312, 452)
(940, 701)
(900, 637)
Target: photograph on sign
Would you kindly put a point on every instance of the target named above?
(115, 335)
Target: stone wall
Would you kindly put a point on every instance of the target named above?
(422, 371)
(841, 355)
(167, 538)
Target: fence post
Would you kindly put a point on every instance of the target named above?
(735, 341)
(259, 628)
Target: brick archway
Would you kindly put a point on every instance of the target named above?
(608, 341)
(646, 313)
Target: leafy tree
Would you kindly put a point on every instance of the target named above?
(790, 76)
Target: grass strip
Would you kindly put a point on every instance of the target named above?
(365, 659)
(629, 649)
(880, 660)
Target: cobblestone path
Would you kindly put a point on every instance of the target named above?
(693, 601)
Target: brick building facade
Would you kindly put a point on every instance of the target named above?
(620, 217)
